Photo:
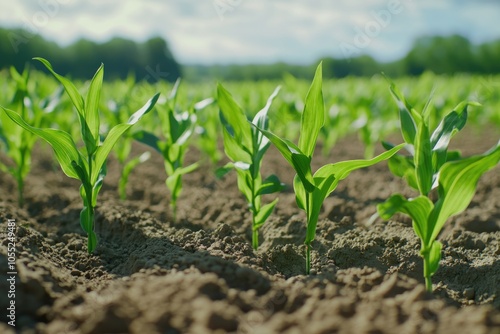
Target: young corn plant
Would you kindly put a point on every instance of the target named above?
(17, 143)
(88, 164)
(246, 146)
(177, 128)
(428, 166)
(311, 190)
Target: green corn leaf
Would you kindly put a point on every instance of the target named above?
(115, 133)
(188, 169)
(203, 104)
(88, 138)
(302, 165)
(408, 125)
(178, 125)
(317, 197)
(300, 193)
(86, 220)
(222, 171)
(81, 171)
(98, 184)
(188, 129)
(423, 159)
(173, 94)
(264, 213)
(147, 138)
(245, 184)
(260, 120)
(313, 117)
(453, 155)
(427, 110)
(434, 257)
(326, 180)
(92, 104)
(418, 209)
(63, 145)
(234, 115)
(270, 185)
(457, 186)
(70, 89)
(342, 169)
(449, 126)
(174, 180)
(403, 166)
(173, 152)
(285, 147)
(233, 148)
(20, 79)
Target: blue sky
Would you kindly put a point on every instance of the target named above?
(257, 31)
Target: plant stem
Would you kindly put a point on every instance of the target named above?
(308, 259)
(20, 190)
(122, 184)
(254, 209)
(427, 275)
(255, 238)
(308, 242)
(173, 205)
(90, 243)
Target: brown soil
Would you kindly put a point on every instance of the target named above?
(200, 275)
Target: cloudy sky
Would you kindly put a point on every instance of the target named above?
(259, 31)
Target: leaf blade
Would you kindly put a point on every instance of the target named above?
(313, 117)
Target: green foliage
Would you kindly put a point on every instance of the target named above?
(127, 168)
(117, 111)
(87, 165)
(430, 165)
(18, 144)
(311, 190)
(151, 60)
(177, 128)
(208, 131)
(246, 146)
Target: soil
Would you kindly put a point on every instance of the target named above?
(200, 274)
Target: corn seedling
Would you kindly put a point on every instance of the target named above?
(18, 143)
(177, 128)
(88, 164)
(429, 166)
(311, 190)
(246, 146)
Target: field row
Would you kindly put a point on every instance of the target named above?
(85, 125)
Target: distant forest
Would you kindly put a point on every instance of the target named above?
(153, 60)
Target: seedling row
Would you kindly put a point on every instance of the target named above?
(85, 122)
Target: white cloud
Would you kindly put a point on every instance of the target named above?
(297, 31)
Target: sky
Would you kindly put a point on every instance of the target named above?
(259, 31)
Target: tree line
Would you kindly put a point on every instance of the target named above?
(152, 60)
(439, 54)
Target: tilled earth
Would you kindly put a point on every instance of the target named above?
(201, 275)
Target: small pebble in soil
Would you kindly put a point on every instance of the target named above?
(469, 293)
